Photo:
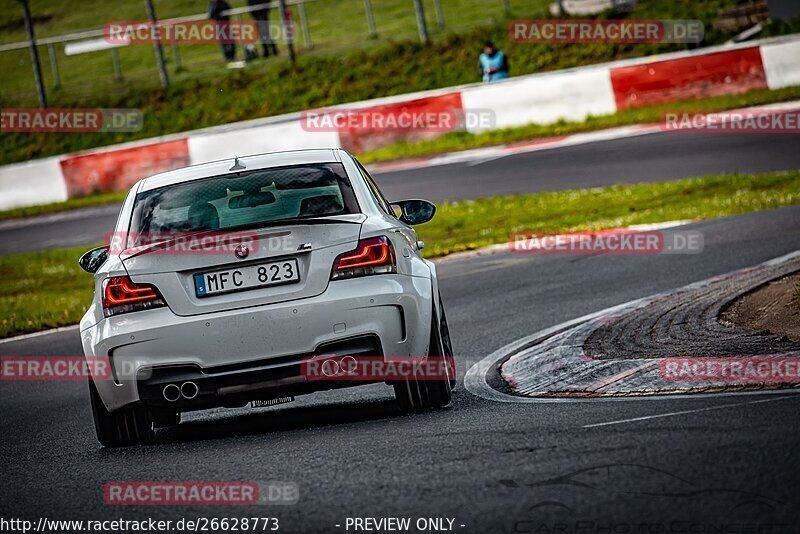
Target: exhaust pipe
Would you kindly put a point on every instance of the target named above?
(348, 364)
(171, 393)
(330, 367)
(189, 390)
(344, 366)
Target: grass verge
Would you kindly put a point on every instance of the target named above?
(48, 289)
(472, 224)
(462, 141)
(41, 290)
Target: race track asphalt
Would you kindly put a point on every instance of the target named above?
(703, 463)
(645, 158)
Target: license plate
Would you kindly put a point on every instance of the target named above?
(270, 402)
(244, 278)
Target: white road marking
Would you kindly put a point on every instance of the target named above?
(487, 160)
(651, 227)
(39, 334)
(685, 412)
(493, 266)
(507, 247)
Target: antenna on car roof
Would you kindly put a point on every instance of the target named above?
(237, 165)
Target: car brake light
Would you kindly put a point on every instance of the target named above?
(123, 295)
(372, 256)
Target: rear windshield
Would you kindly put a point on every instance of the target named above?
(246, 200)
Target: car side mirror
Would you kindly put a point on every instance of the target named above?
(94, 259)
(415, 211)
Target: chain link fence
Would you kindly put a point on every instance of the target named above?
(85, 61)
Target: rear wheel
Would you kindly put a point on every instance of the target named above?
(128, 426)
(417, 395)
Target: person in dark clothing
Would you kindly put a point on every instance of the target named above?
(493, 63)
(261, 16)
(216, 8)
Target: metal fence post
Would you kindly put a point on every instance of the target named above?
(421, 23)
(439, 14)
(117, 67)
(37, 67)
(304, 24)
(373, 34)
(162, 69)
(176, 54)
(507, 6)
(51, 50)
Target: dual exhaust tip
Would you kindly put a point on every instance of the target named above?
(332, 367)
(187, 390)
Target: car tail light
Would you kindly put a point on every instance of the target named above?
(372, 256)
(123, 295)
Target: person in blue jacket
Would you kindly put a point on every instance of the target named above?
(493, 63)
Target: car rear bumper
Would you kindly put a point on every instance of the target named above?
(191, 387)
(263, 342)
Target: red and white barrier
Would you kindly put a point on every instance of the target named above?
(272, 137)
(33, 182)
(781, 64)
(118, 170)
(572, 95)
(657, 82)
(368, 135)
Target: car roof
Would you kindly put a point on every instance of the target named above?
(224, 166)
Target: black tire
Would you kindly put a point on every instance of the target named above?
(414, 395)
(409, 396)
(447, 344)
(440, 392)
(129, 426)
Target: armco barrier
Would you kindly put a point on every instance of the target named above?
(571, 94)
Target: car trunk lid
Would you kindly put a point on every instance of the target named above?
(313, 243)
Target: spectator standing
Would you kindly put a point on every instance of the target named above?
(261, 17)
(493, 63)
(216, 8)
